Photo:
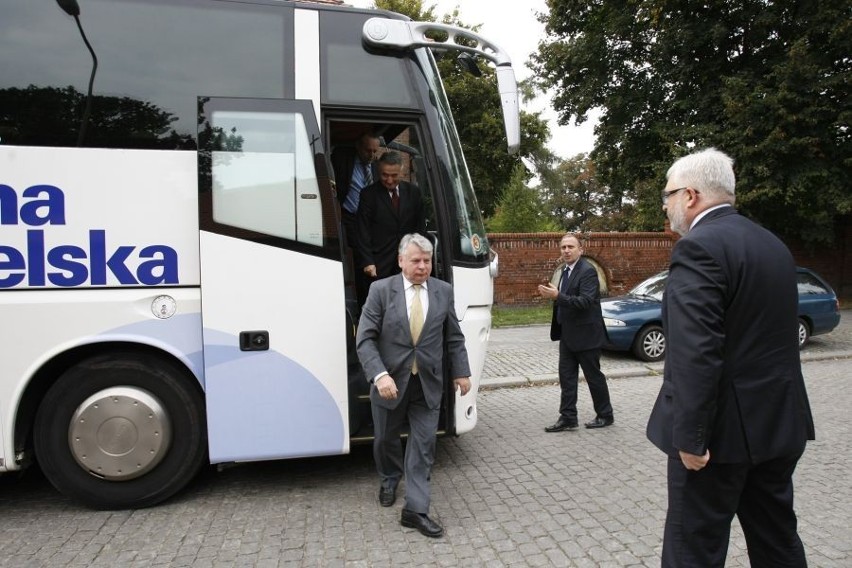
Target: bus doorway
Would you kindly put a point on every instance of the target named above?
(405, 139)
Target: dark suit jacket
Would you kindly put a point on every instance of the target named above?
(732, 381)
(380, 228)
(384, 340)
(577, 318)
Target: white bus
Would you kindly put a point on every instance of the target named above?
(175, 288)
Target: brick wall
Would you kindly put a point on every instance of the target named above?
(529, 259)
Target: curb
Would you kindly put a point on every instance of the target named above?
(639, 371)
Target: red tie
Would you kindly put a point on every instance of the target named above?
(394, 195)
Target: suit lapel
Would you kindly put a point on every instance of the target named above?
(398, 295)
(403, 198)
(433, 304)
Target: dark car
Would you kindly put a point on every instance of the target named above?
(634, 322)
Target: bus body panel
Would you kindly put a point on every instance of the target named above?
(80, 217)
(473, 292)
(48, 323)
(289, 400)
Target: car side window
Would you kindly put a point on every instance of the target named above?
(809, 285)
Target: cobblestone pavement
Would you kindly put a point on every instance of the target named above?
(508, 494)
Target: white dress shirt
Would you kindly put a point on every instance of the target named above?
(409, 298)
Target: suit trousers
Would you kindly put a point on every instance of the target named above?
(569, 364)
(703, 503)
(416, 464)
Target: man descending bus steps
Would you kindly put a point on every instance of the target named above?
(355, 169)
(406, 322)
(389, 209)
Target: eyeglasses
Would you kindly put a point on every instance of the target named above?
(666, 194)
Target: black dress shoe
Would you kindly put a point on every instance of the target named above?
(387, 497)
(600, 422)
(561, 425)
(422, 523)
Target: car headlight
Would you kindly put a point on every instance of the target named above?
(609, 322)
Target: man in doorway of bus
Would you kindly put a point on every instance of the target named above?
(406, 323)
(732, 414)
(577, 324)
(388, 210)
(354, 171)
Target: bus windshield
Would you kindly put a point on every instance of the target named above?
(473, 243)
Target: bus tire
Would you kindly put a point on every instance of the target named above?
(121, 431)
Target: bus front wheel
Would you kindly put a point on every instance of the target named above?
(121, 431)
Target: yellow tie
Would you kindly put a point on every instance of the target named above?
(415, 321)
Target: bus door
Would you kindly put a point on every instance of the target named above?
(272, 285)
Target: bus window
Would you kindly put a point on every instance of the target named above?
(349, 76)
(469, 242)
(257, 166)
(136, 104)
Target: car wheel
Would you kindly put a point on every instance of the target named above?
(804, 333)
(121, 431)
(650, 344)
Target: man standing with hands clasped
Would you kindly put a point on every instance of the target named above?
(406, 322)
(732, 415)
(578, 326)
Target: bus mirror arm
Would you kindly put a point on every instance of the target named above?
(404, 35)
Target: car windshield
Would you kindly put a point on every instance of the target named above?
(652, 287)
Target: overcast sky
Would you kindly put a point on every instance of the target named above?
(514, 27)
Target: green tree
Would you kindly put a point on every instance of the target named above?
(520, 209)
(575, 198)
(414, 9)
(475, 104)
(767, 81)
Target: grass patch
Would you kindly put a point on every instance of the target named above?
(503, 316)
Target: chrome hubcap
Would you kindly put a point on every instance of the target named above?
(119, 433)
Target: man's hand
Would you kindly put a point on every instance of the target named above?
(387, 387)
(548, 291)
(370, 270)
(694, 462)
(463, 384)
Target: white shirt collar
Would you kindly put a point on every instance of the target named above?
(406, 283)
(701, 215)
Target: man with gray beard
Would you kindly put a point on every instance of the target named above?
(732, 415)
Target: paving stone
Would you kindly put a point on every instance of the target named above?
(507, 493)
